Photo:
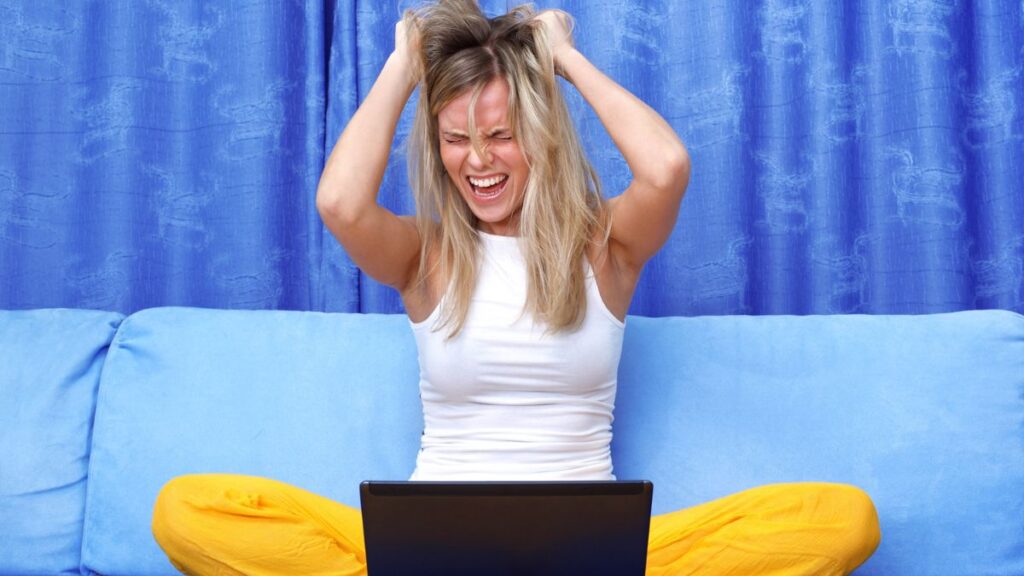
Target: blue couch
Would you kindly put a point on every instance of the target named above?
(97, 411)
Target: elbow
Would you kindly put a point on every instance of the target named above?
(335, 212)
(673, 173)
(679, 168)
(326, 203)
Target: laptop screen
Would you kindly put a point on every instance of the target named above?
(506, 528)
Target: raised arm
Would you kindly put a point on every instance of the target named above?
(383, 245)
(644, 215)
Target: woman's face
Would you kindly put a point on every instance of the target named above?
(493, 184)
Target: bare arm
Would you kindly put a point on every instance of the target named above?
(644, 215)
(383, 245)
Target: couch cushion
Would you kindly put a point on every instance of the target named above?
(924, 412)
(50, 362)
(322, 401)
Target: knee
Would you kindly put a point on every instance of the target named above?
(173, 513)
(861, 533)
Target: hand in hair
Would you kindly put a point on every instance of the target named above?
(558, 27)
(407, 46)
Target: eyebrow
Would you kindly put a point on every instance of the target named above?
(493, 131)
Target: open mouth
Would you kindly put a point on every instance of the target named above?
(488, 188)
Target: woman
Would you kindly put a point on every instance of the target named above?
(516, 275)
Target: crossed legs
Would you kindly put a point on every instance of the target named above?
(219, 524)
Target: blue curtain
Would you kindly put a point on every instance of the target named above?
(160, 153)
(848, 157)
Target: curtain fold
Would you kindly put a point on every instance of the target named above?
(159, 153)
(848, 157)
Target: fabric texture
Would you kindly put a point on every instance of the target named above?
(230, 524)
(50, 365)
(776, 530)
(506, 399)
(848, 157)
(224, 524)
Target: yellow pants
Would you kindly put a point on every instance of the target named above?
(227, 524)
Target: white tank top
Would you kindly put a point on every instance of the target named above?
(505, 401)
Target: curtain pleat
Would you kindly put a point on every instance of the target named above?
(848, 157)
(159, 153)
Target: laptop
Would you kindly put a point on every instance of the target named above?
(506, 528)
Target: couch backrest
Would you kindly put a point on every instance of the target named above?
(923, 412)
(50, 362)
(322, 401)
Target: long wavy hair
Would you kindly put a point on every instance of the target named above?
(460, 51)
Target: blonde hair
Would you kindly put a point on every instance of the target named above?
(462, 50)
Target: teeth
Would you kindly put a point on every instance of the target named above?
(487, 182)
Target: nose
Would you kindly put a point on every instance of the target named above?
(479, 157)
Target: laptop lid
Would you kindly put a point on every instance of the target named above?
(506, 528)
